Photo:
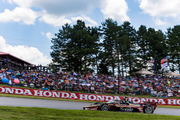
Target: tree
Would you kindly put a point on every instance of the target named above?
(142, 49)
(85, 44)
(79, 48)
(173, 42)
(60, 53)
(109, 28)
(157, 46)
(74, 48)
(128, 36)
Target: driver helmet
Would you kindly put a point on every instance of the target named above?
(125, 99)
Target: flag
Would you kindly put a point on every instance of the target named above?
(74, 73)
(164, 60)
(152, 61)
(154, 67)
(162, 67)
(164, 63)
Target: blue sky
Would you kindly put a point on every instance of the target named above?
(27, 26)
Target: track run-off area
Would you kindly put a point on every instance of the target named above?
(67, 105)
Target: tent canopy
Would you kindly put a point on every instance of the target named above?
(144, 72)
(172, 74)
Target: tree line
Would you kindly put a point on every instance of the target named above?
(111, 48)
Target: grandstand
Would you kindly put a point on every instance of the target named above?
(8, 61)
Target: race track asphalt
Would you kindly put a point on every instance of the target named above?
(11, 101)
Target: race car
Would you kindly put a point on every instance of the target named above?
(123, 105)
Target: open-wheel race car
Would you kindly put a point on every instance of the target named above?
(123, 105)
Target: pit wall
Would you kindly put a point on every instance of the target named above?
(82, 96)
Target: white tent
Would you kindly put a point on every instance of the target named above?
(172, 74)
(144, 72)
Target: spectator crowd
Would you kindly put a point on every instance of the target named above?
(156, 86)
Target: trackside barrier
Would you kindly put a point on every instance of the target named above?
(82, 96)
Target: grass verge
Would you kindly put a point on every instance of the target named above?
(25, 113)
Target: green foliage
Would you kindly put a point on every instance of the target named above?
(109, 28)
(113, 47)
(74, 48)
(173, 42)
(142, 43)
(128, 37)
(152, 45)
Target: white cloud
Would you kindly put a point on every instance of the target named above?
(54, 20)
(59, 21)
(89, 21)
(161, 9)
(55, 12)
(42, 33)
(10, 1)
(115, 9)
(29, 54)
(19, 14)
(49, 35)
(159, 21)
(21, 3)
(59, 12)
(60, 7)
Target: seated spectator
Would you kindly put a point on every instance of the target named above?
(31, 85)
(92, 89)
(10, 83)
(51, 87)
(25, 84)
(38, 85)
(178, 93)
(164, 94)
(122, 90)
(159, 94)
(107, 90)
(153, 93)
(137, 91)
(170, 93)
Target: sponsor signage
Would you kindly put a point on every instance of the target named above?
(81, 96)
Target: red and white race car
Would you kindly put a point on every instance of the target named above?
(123, 105)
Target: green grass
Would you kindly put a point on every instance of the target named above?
(167, 106)
(25, 113)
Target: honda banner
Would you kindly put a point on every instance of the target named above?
(81, 96)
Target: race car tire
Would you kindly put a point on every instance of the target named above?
(148, 109)
(105, 107)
